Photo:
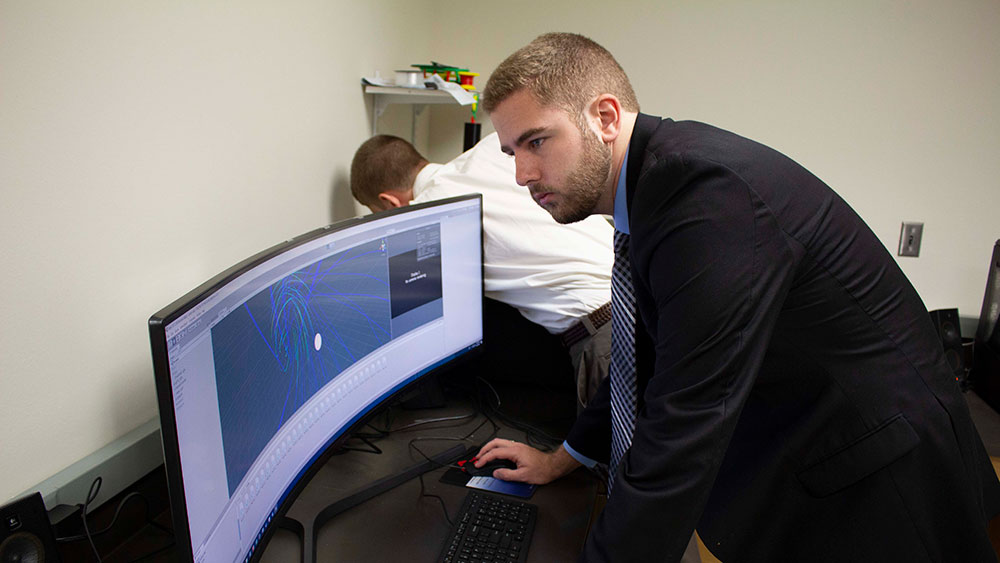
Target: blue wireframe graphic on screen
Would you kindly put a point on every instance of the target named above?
(286, 342)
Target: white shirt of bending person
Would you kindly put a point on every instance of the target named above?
(553, 274)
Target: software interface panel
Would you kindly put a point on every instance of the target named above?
(275, 365)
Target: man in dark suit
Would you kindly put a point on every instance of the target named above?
(793, 399)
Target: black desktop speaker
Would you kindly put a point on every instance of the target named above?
(25, 532)
(985, 375)
(946, 323)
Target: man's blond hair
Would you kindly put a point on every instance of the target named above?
(560, 69)
(384, 163)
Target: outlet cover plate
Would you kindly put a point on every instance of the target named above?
(909, 239)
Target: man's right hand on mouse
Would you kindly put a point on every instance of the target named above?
(533, 466)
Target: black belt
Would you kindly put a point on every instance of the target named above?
(586, 326)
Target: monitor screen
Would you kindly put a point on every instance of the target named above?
(262, 369)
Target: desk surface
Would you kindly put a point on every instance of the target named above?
(401, 521)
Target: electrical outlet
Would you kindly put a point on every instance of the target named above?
(909, 239)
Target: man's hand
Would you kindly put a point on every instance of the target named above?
(533, 466)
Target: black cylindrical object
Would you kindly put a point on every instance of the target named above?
(472, 132)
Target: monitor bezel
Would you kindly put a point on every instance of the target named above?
(164, 388)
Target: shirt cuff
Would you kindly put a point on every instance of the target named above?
(586, 461)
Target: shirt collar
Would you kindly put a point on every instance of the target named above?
(621, 201)
(423, 179)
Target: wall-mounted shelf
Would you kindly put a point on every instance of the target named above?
(385, 95)
(418, 98)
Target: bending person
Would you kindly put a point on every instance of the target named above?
(556, 276)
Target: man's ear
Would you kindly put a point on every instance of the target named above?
(391, 200)
(605, 111)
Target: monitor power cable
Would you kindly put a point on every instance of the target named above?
(95, 488)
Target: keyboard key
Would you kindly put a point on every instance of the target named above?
(490, 529)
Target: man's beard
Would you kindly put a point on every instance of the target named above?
(584, 185)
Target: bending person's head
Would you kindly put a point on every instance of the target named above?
(383, 171)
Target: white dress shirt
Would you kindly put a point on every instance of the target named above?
(552, 273)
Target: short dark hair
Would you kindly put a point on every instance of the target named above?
(560, 69)
(384, 163)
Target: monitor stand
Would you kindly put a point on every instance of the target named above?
(428, 394)
(307, 531)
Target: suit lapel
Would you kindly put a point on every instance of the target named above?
(645, 126)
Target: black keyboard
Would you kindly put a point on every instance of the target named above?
(490, 528)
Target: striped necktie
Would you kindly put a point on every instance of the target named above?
(622, 369)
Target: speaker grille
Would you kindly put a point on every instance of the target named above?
(22, 547)
(946, 323)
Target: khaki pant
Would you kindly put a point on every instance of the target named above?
(591, 358)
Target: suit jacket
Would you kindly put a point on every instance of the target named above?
(795, 402)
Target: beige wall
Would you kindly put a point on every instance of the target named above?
(146, 146)
(895, 104)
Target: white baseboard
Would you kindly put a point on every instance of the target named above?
(968, 326)
(119, 465)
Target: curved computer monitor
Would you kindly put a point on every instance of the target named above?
(262, 371)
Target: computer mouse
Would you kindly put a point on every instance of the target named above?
(486, 470)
